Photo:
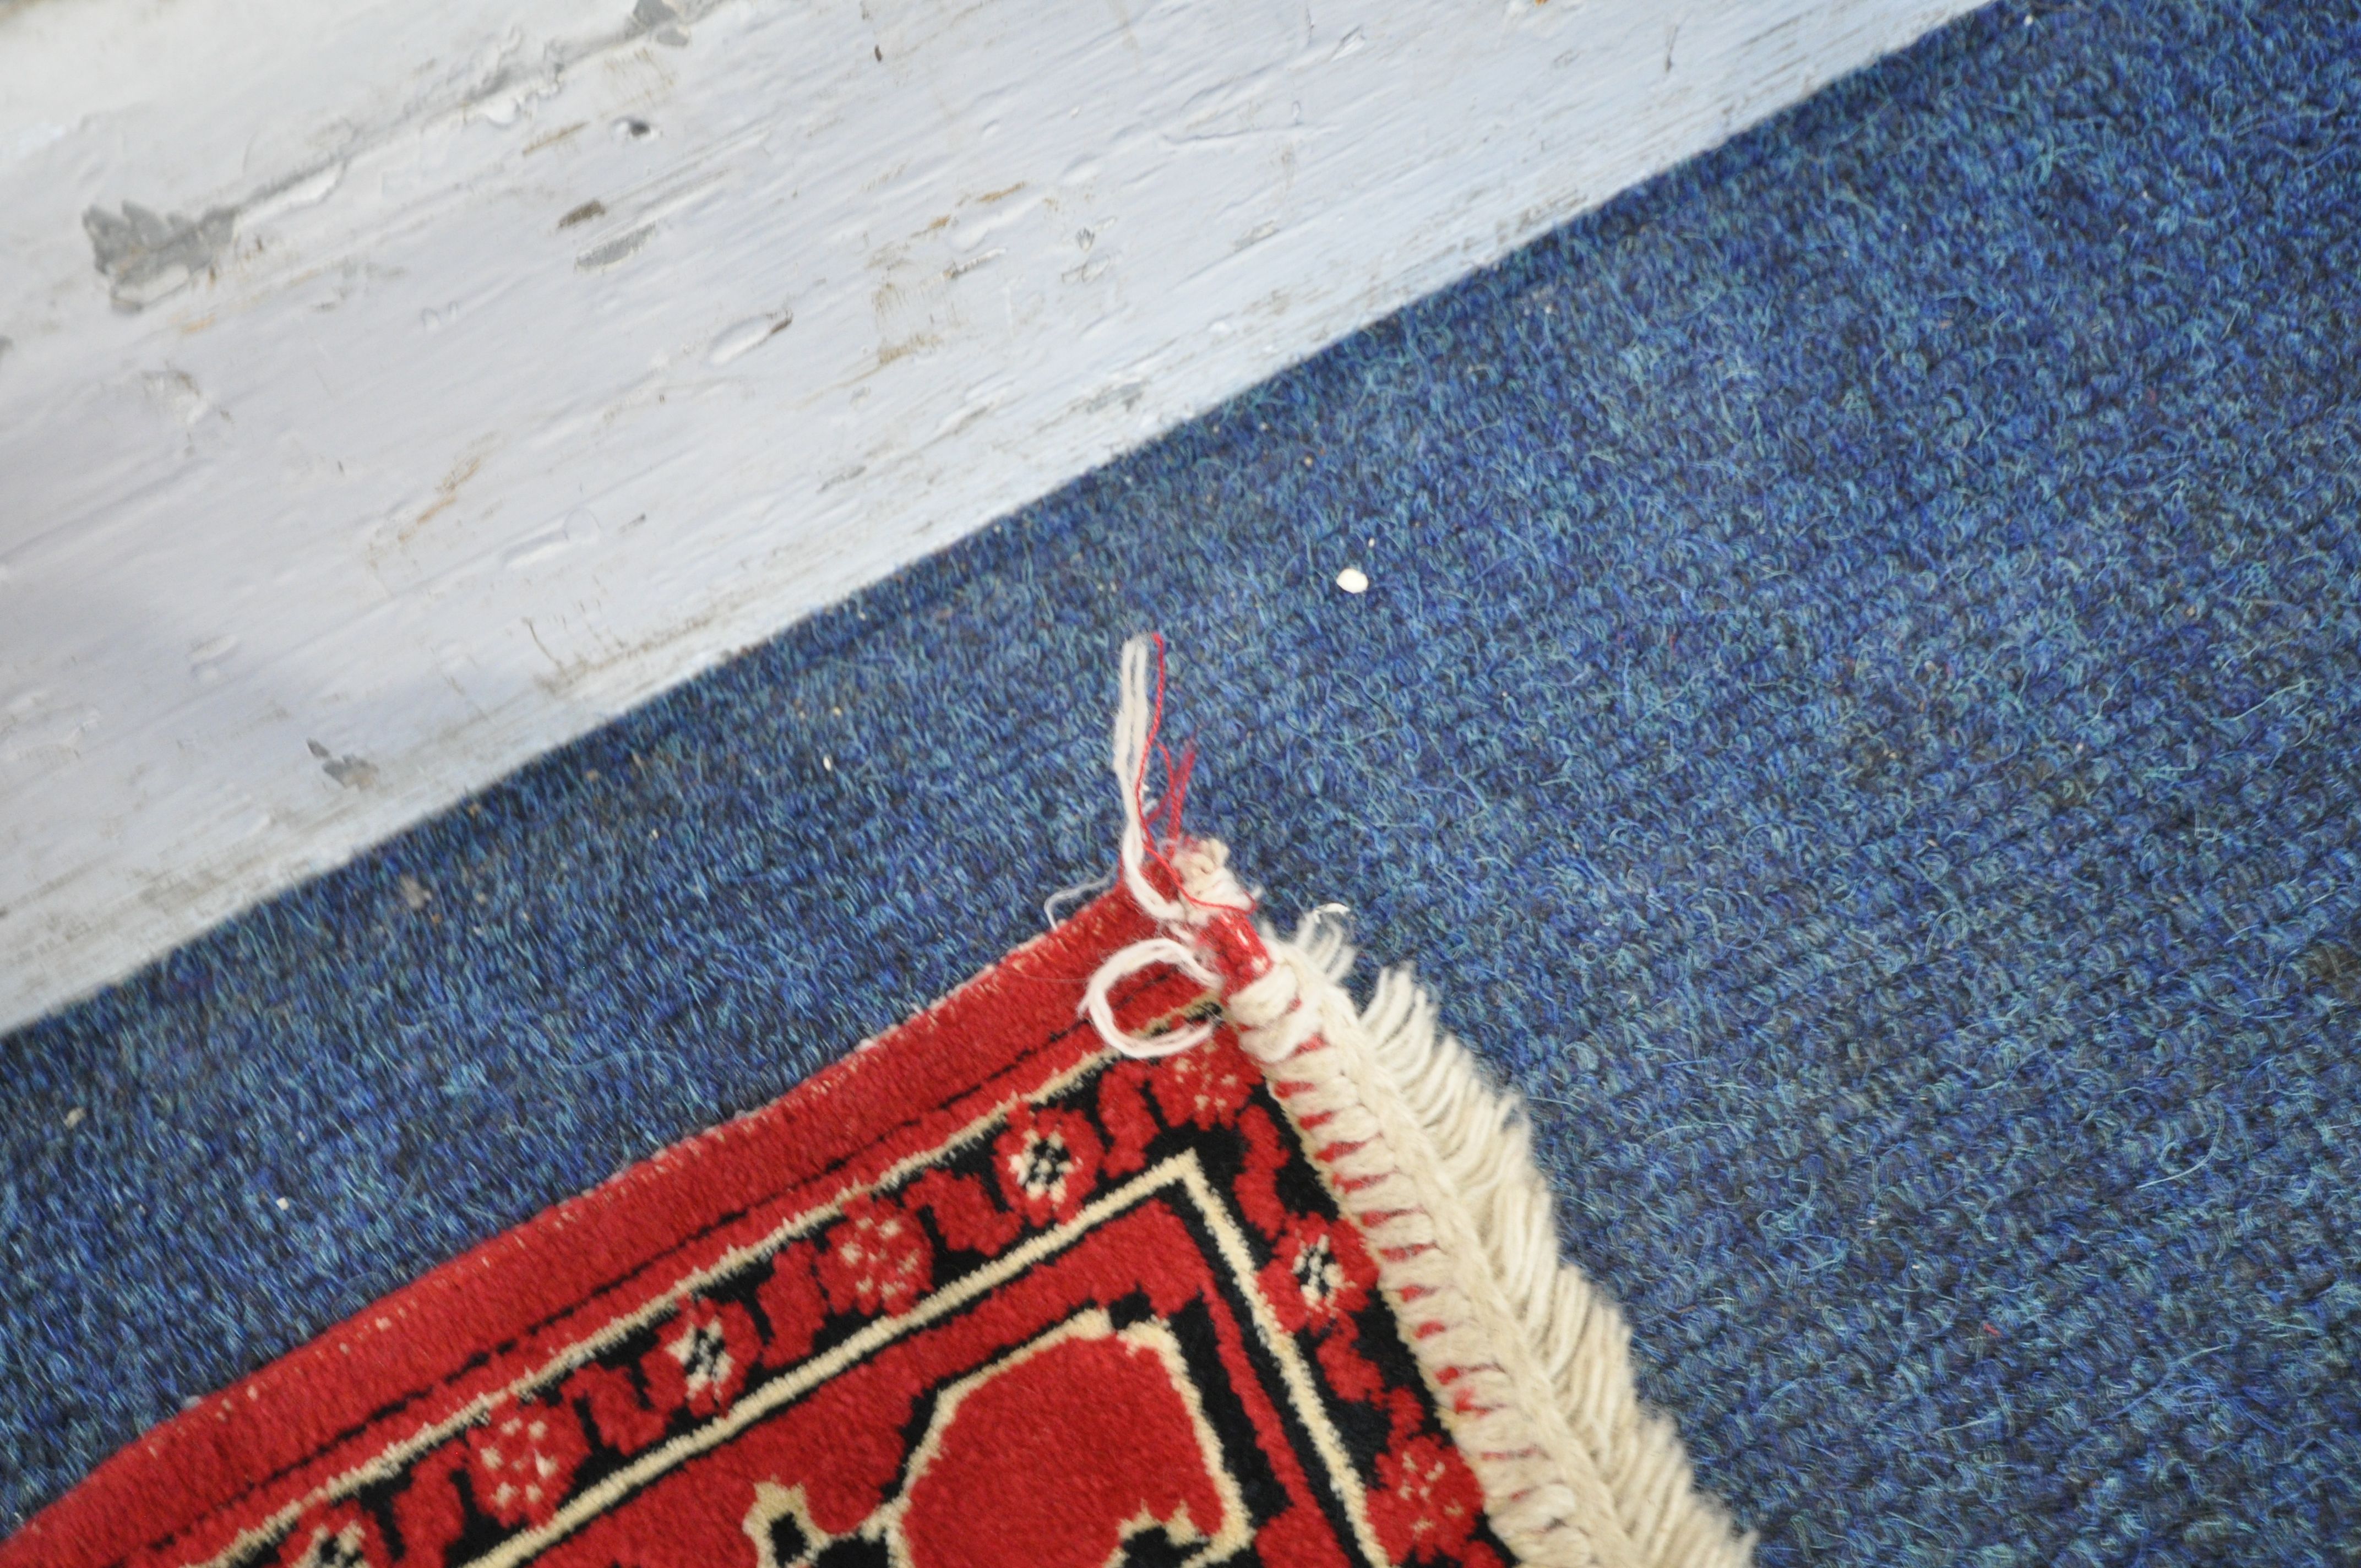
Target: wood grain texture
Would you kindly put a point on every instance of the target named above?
(388, 393)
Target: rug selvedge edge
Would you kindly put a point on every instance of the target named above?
(1528, 1361)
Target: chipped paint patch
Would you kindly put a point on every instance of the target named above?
(552, 139)
(292, 196)
(741, 338)
(966, 265)
(351, 772)
(660, 22)
(616, 251)
(149, 256)
(177, 392)
(580, 528)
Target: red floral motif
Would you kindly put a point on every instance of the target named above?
(1047, 1161)
(1352, 1375)
(1298, 1538)
(1405, 1416)
(702, 1355)
(522, 1461)
(427, 1515)
(966, 1215)
(1321, 1273)
(791, 1304)
(1205, 1087)
(618, 1411)
(1123, 1111)
(1257, 1189)
(1427, 1502)
(878, 1258)
(335, 1535)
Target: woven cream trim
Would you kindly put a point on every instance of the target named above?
(1529, 1360)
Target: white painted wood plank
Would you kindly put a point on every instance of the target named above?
(455, 383)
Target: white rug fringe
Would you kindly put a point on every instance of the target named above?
(1529, 1360)
(1531, 1365)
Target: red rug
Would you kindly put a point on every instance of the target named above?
(1146, 1247)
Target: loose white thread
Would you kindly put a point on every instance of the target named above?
(1128, 961)
(1065, 895)
(1135, 719)
(1199, 866)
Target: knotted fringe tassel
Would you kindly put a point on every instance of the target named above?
(1530, 1362)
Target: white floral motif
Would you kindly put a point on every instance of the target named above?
(878, 1259)
(1040, 1168)
(346, 1548)
(1318, 1274)
(703, 1352)
(523, 1474)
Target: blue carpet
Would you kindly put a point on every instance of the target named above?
(1858, 712)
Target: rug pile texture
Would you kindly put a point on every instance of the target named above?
(1854, 712)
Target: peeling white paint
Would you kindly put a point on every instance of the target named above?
(389, 393)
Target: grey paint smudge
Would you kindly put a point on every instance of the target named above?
(353, 773)
(147, 256)
(1127, 394)
(660, 22)
(622, 247)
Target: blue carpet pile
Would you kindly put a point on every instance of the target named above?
(1856, 711)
